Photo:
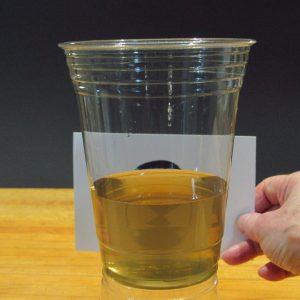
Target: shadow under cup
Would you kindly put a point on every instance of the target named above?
(158, 122)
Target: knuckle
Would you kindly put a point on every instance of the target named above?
(292, 259)
(293, 235)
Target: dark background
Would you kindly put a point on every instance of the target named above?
(38, 109)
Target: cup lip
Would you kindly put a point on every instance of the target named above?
(156, 44)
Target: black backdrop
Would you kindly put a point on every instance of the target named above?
(38, 109)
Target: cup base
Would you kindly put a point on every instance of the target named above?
(160, 284)
(114, 290)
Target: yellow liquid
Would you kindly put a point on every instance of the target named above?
(159, 228)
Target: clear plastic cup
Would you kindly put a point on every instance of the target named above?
(158, 121)
(113, 290)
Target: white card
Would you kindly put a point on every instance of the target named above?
(240, 198)
(241, 195)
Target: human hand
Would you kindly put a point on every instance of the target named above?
(273, 229)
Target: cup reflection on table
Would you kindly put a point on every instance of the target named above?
(158, 122)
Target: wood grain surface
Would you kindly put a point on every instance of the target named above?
(38, 259)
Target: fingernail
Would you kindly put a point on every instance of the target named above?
(263, 269)
(242, 220)
(244, 216)
(229, 250)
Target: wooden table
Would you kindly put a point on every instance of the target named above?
(38, 259)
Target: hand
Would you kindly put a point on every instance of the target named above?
(274, 229)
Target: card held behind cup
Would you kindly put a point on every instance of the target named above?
(241, 195)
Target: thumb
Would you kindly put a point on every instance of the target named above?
(252, 225)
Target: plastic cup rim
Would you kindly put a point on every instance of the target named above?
(156, 44)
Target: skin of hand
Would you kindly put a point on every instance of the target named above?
(273, 229)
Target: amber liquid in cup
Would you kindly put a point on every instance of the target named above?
(159, 228)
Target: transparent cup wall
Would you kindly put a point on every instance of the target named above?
(158, 121)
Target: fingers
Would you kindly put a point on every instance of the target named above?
(247, 250)
(241, 252)
(267, 227)
(252, 226)
(271, 192)
(273, 273)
